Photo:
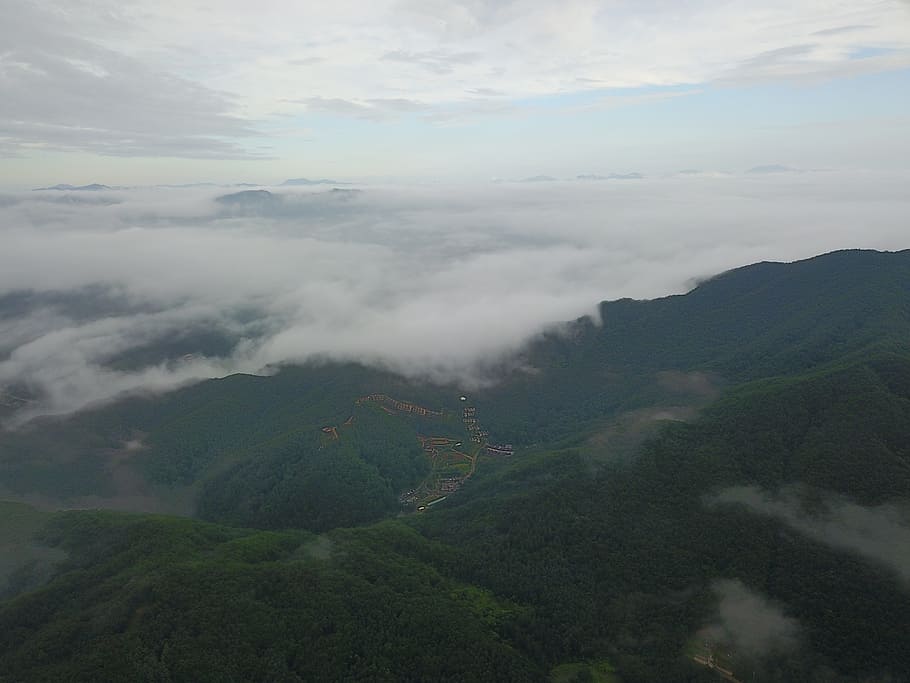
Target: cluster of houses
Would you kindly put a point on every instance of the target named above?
(478, 435)
(400, 406)
(450, 484)
(708, 658)
(469, 417)
(432, 444)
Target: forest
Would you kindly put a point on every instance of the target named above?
(724, 472)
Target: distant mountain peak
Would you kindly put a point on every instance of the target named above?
(63, 187)
(247, 197)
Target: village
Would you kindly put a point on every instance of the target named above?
(709, 656)
(452, 462)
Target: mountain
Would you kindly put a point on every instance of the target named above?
(172, 599)
(790, 489)
(716, 477)
(762, 320)
(246, 197)
(539, 179)
(94, 187)
(251, 201)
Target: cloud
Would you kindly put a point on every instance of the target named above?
(615, 101)
(880, 533)
(748, 622)
(168, 78)
(430, 280)
(438, 62)
(63, 92)
(381, 109)
(815, 62)
(839, 30)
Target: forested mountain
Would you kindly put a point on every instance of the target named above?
(758, 321)
(706, 486)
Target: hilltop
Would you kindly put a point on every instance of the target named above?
(94, 187)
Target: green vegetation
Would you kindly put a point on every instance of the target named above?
(188, 435)
(759, 321)
(587, 672)
(594, 554)
(317, 482)
(151, 598)
(24, 563)
(619, 563)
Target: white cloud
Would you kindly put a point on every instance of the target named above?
(187, 78)
(748, 622)
(60, 90)
(431, 280)
(880, 533)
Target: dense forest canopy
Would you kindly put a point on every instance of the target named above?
(706, 482)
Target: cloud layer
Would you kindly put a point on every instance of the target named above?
(880, 533)
(748, 622)
(170, 78)
(63, 91)
(436, 281)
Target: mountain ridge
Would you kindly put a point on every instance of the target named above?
(692, 467)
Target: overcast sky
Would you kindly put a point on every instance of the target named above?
(420, 104)
(141, 92)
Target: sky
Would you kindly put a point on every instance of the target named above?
(710, 135)
(132, 92)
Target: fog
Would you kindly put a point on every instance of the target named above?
(748, 622)
(429, 280)
(880, 533)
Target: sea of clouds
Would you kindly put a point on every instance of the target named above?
(429, 280)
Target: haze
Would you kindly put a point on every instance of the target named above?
(433, 281)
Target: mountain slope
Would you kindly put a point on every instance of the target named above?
(633, 564)
(769, 531)
(780, 486)
(146, 599)
(762, 320)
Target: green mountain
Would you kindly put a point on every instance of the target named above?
(713, 486)
(763, 320)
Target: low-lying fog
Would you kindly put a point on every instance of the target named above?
(97, 289)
